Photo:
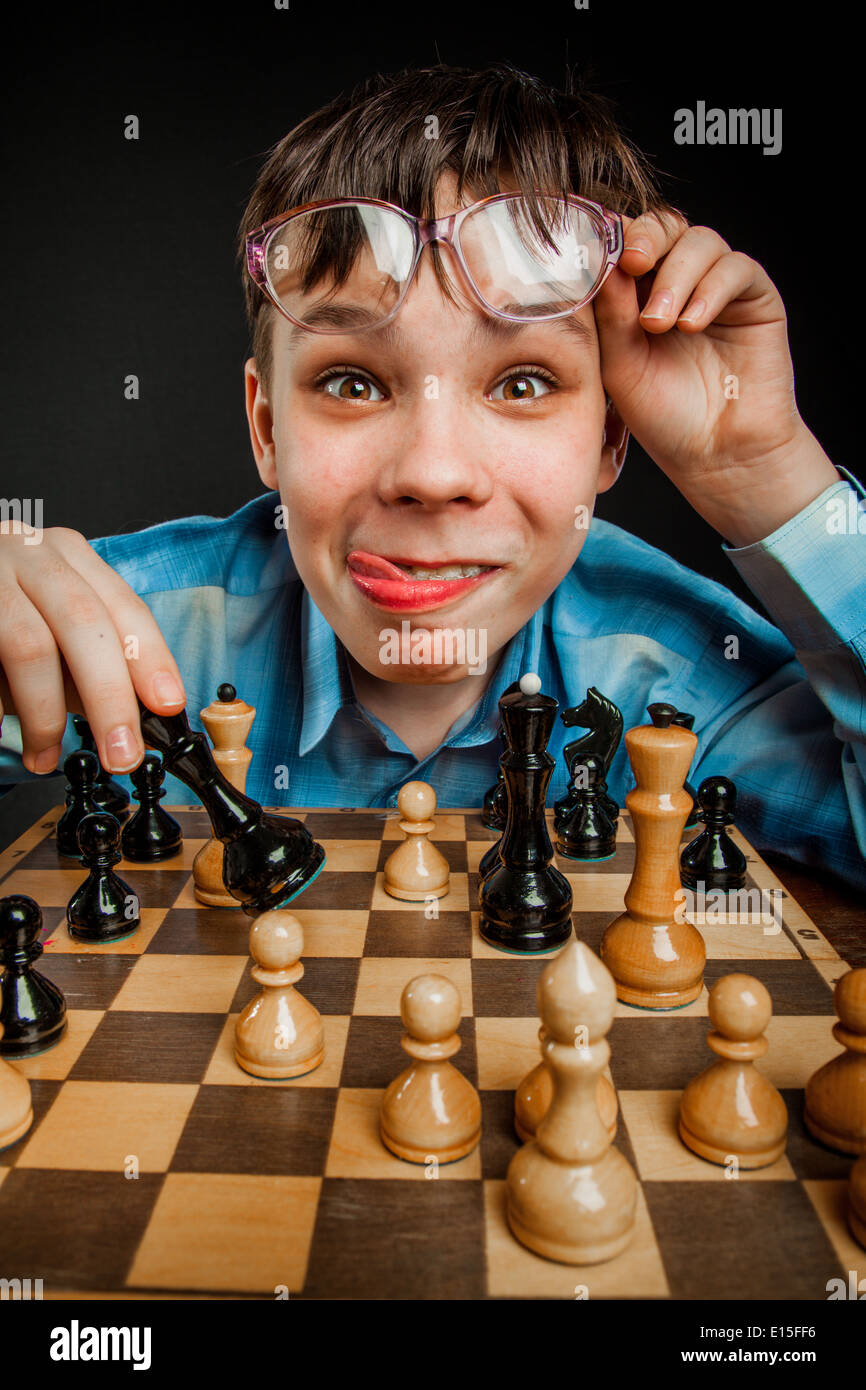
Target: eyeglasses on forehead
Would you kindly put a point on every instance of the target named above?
(518, 262)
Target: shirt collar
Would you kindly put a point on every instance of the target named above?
(325, 679)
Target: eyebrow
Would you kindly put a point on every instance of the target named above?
(351, 318)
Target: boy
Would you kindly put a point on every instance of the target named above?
(457, 408)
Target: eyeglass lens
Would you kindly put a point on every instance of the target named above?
(344, 267)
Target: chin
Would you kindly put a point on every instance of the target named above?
(427, 675)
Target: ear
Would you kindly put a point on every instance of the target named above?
(613, 449)
(261, 422)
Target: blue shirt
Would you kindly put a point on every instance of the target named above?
(781, 710)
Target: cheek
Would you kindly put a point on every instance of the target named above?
(315, 482)
(555, 477)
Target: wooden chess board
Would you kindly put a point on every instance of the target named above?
(251, 1188)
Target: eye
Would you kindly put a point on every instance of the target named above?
(349, 385)
(523, 386)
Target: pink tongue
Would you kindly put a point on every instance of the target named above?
(375, 567)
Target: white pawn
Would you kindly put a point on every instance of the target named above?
(416, 870)
(430, 1110)
(228, 722)
(535, 1092)
(857, 1200)
(835, 1096)
(279, 1033)
(730, 1109)
(571, 1195)
(16, 1112)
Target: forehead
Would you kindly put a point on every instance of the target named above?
(576, 330)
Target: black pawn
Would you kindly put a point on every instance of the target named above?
(103, 908)
(587, 831)
(151, 833)
(494, 809)
(32, 1010)
(108, 795)
(81, 771)
(525, 900)
(711, 861)
(687, 721)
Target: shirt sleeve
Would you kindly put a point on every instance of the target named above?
(805, 775)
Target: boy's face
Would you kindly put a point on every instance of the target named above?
(444, 438)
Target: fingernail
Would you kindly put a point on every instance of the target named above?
(693, 312)
(47, 760)
(640, 244)
(122, 747)
(659, 306)
(167, 688)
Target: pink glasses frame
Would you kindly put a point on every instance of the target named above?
(445, 231)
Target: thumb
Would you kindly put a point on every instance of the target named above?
(623, 345)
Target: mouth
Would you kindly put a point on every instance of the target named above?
(412, 586)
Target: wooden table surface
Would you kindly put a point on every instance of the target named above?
(839, 911)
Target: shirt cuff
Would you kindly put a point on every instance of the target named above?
(810, 573)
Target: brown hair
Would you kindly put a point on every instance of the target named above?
(371, 142)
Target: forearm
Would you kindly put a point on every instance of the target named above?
(748, 503)
(810, 574)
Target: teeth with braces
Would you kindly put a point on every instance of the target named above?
(445, 571)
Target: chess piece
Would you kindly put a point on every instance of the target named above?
(430, 1110)
(416, 870)
(836, 1093)
(586, 831)
(494, 809)
(857, 1200)
(228, 721)
(268, 859)
(151, 834)
(711, 861)
(103, 908)
(731, 1110)
(656, 959)
(81, 769)
(279, 1033)
(33, 1010)
(525, 900)
(571, 1196)
(687, 721)
(535, 1092)
(603, 720)
(489, 860)
(16, 1111)
(108, 795)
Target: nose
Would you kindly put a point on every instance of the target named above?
(438, 460)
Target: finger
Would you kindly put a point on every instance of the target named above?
(646, 239)
(33, 680)
(735, 277)
(83, 630)
(623, 345)
(152, 668)
(678, 274)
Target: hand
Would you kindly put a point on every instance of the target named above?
(694, 354)
(66, 619)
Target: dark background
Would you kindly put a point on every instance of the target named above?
(119, 255)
